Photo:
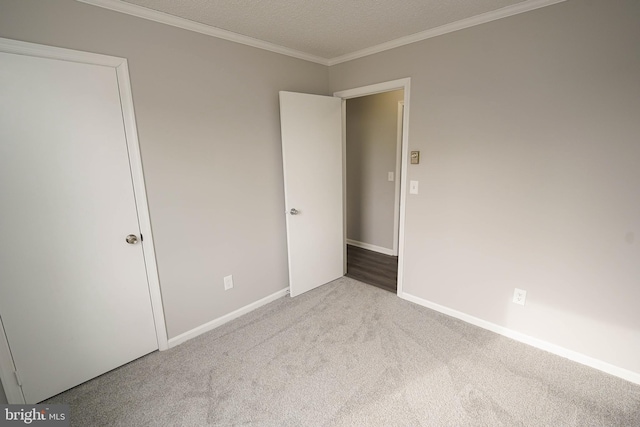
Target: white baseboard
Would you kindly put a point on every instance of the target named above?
(625, 374)
(226, 318)
(371, 247)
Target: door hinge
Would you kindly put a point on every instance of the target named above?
(18, 378)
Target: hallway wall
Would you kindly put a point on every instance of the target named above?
(372, 130)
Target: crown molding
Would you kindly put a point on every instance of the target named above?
(504, 12)
(185, 24)
(164, 18)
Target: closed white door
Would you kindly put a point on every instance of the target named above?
(74, 298)
(312, 156)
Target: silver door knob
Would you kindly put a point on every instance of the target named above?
(294, 211)
(132, 239)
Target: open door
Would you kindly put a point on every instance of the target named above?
(312, 160)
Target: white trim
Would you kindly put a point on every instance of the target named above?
(186, 24)
(12, 390)
(396, 196)
(600, 365)
(44, 51)
(504, 12)
(344, 184)
(373, 89)
(135, 163)
(369, 246)
(226, 318)
(404, 84)
(403, 181)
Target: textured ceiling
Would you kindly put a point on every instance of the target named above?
(325, 28)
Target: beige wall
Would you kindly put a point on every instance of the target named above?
(528, 129)
(208, 121)
(372, 126)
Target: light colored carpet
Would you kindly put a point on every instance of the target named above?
(349, 354)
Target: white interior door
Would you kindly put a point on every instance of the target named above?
(312, 157)
(74, 298)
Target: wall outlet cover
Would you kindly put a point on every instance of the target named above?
(519, 296)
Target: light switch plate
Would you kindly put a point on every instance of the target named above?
(228, 282)
(390, 176)
(413, 187)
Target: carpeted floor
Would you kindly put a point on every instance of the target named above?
(350, 354)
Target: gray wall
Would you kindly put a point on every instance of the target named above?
(372, 126)
(528, 129)
(208, 121)
(3, 397)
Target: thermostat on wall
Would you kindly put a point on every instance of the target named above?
(415, 157)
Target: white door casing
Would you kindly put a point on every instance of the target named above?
(396, 199)
(405, 85)
(75, 299)
(312, 154)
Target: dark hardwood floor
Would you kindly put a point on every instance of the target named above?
(373, 268)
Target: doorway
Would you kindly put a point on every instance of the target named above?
(373, 151)
(375, 141)
(317, 167)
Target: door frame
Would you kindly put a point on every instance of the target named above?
(7, 368)
(404, 84)
(396, 199)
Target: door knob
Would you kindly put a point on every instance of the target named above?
(294, 211)
(131, 239)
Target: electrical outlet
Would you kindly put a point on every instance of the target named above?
(519, 296)
(228, 282)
